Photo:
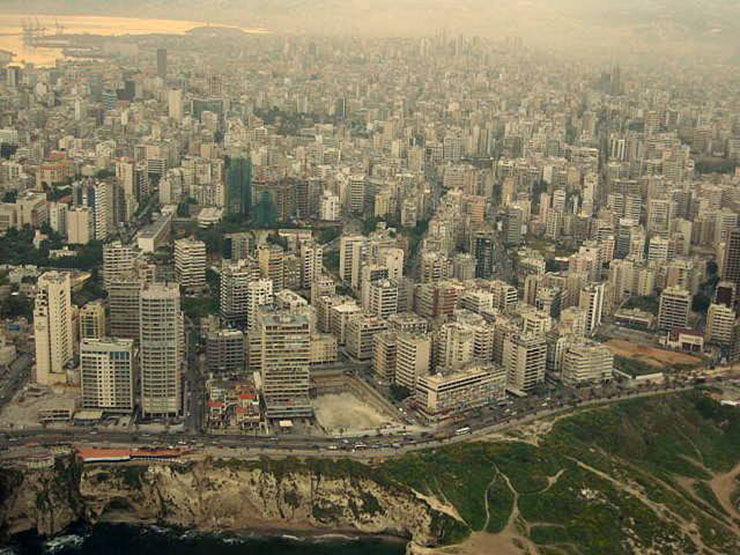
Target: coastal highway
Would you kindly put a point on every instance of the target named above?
(368, 447)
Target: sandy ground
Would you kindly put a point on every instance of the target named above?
(22, 412)
(659, 358)
(337, 412)
(724, 486)
(480, 543)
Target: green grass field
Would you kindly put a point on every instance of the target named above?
(602, 481)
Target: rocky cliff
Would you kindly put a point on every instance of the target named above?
(220, 495)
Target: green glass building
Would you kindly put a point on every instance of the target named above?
(238, 186)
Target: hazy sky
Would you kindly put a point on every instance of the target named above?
(673, 26)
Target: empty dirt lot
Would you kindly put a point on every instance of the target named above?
(344, 412)
(660, 358)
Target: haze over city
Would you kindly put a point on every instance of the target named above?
(384, 277)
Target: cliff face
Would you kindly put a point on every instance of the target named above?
(219, 496)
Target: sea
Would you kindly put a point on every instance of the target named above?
(13, 46)
(127, 539)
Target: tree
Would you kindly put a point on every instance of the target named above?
(105, 173)
(369, 224)
(265, 214)
(328, 234)
(712, 268)
(399, 392)
(700, 303)
(14, 306)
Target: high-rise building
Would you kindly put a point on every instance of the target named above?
(123, 306)
(731, 264)
(356, 194)
(383, 298)
(162, 63)
(464, 266)
(237, 246)
(92, 320)
(513, 226)
(99, 197)
(408, 322)
(360, 332)
(434, 266)
(190, 264)
(118, 260)
(285, 363)
(413, 359)
(238, 186)
(161, 349)
(350, 258)
(481, 246)
(272, 265)
(52, 327)
(259, 294)
(312, 263)
(384, 356)
(80, 225)
(454, 345)
(225, 351)
(524, 358)
(233, 284)
(107, 374)
(329, 207)
(673, 312)
(592, 302)
(720, 323)
(725, 293)
(174, 104)
(320, 287)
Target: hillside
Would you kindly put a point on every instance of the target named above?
(656, 475)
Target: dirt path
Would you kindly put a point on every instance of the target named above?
(723, 485)
(485, 501)
(438, 505)
(552, 480)
(689, 528)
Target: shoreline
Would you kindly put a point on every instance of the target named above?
(269, 531)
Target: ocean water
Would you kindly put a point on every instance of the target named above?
(120, 539)
(11, 31)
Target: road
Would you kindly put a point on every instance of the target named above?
(18, 373)
(194, 385)
(520, 412)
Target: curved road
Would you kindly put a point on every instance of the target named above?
(370, 447)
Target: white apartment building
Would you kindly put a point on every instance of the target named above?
(413, 359)
(161, 343)
(720, 323)
(444, 395)
(52, 327)
(673, 312)
(190, 264)
(92, 320)
(587, 362)
(107, 374)
(285, 363)
(524, 359)
(383, 298)
(329, 207)
(360, 332)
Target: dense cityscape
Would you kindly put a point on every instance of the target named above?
(224, 242)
